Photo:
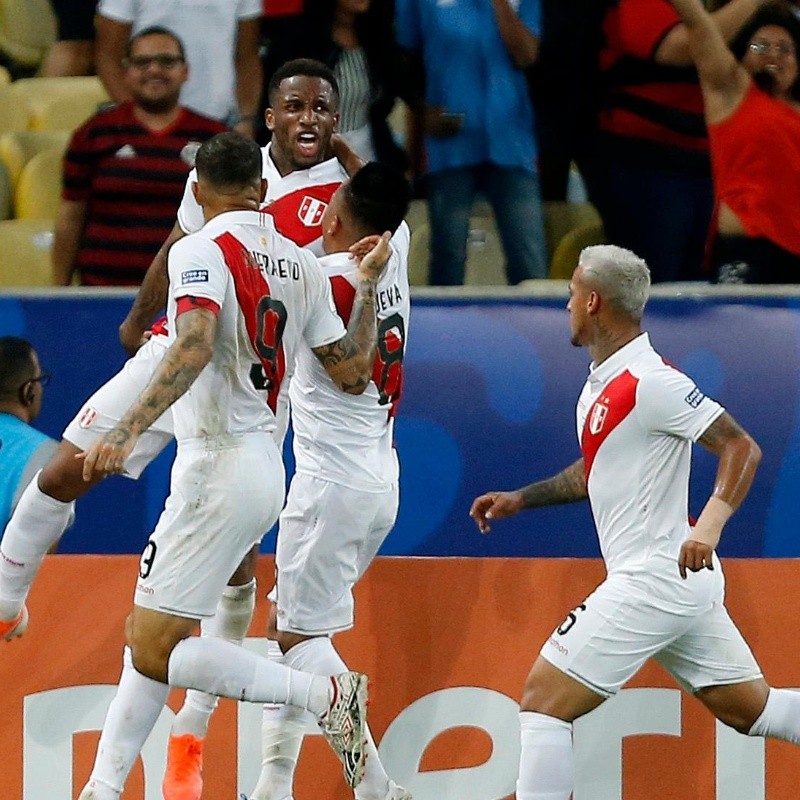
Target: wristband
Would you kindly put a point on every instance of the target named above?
(711, 522)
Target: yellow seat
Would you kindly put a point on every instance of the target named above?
(14, 115)
(19, 147)
(59, 103)
(25, 247)
(565, 258)
(38, 191)
(5, 76)
(27, 30)
(5, 193)
(560, 217)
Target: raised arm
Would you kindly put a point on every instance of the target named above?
(739, 456)
(110, 42)
(183, 361)
(350, 360)
(568, 486)
(249, 77)
(521, 43)
(723, 80)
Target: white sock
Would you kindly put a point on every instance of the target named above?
(131, 716)
(230, 622)
(780, 718)
(546, 767)
(226, 670)
(37, 523)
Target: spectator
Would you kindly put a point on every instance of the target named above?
(649, 174)
(752, 109)
(355, 38)
(222, 42)
(125, 169)
(479, 127)
(73, 51)
(23, 450)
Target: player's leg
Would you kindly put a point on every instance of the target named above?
(183, 776)
(329, 535)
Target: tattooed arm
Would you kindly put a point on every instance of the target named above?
(350, 360)
(183, 361)
(568, 486)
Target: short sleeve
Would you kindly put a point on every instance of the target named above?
(408, 30)
(530, 12)
(190, 215)
(643, 25)
(249, 9)
(670, 402)
(79, 164)
(118, 10)
(323, 324)
(197, 269)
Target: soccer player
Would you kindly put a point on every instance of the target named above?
(637, 417)
(242, 300)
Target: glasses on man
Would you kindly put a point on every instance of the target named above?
(781, 48)
(163, 61)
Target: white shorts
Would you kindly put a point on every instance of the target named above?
(104, 409)
(223, 498)
(606, 640)
(328, 536)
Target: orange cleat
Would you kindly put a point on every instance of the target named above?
(183, 778)
(12, 628)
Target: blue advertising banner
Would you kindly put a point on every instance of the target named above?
(488, 403)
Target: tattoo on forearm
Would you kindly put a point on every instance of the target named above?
(568, 486)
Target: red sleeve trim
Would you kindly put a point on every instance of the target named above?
(189, 302)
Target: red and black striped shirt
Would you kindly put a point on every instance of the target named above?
(132, 180)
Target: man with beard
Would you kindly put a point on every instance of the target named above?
(752, 110)
(124, 170)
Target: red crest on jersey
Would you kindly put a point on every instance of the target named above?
(310, 211)
(597, 417)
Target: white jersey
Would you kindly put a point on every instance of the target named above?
(297, 201)
(271, 294)
(637, 417)
(344, 438)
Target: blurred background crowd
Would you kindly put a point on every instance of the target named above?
(530, 128)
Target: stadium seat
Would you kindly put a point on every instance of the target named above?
(27, 30)
(5, 76)
(560, 217)
(485, 258)
(25, 246)
(38, 190)
(59, 103)
(417, 214)
(14, 116)
(5, 193)
(18, 148)
(565, 258)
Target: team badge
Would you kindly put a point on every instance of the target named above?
(597, 418)
(189, 152)
(310, 211)
(88, 417)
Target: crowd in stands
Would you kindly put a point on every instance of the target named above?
(531, 128)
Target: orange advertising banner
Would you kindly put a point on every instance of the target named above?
(447, 644)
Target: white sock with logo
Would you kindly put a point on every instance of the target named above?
(230, 622)
(131, 716)
(546, 764)
(37, 523)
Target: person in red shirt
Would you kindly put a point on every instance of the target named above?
(125, 170)
(752, 109)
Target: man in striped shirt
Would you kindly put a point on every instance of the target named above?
(125, 170)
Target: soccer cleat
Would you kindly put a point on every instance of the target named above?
(397, 792)
(344, 724)
(10, 629)
(183, 777)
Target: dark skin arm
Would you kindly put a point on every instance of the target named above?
(568, 486)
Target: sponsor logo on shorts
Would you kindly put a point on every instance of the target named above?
(88, 417)
(194, 276)
(311, 211)
(140, 587)
(553, 642)
(695, 397)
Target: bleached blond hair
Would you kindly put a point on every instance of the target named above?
(620, 276)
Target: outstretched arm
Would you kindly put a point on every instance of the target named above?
(568, 486)
(723, 80)
(739, 456)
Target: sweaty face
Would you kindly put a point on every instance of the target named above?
(155, 72)
(302, 119)
(771, 59)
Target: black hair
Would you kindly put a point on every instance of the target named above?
(229, 159)
(378, 196)
(154, 30)
(302, 67)
(769, 15)
(16, 363)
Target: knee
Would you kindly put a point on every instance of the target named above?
(62, 476)
(741, 722)
(533, 697)
(246, 570)
(150, 656)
